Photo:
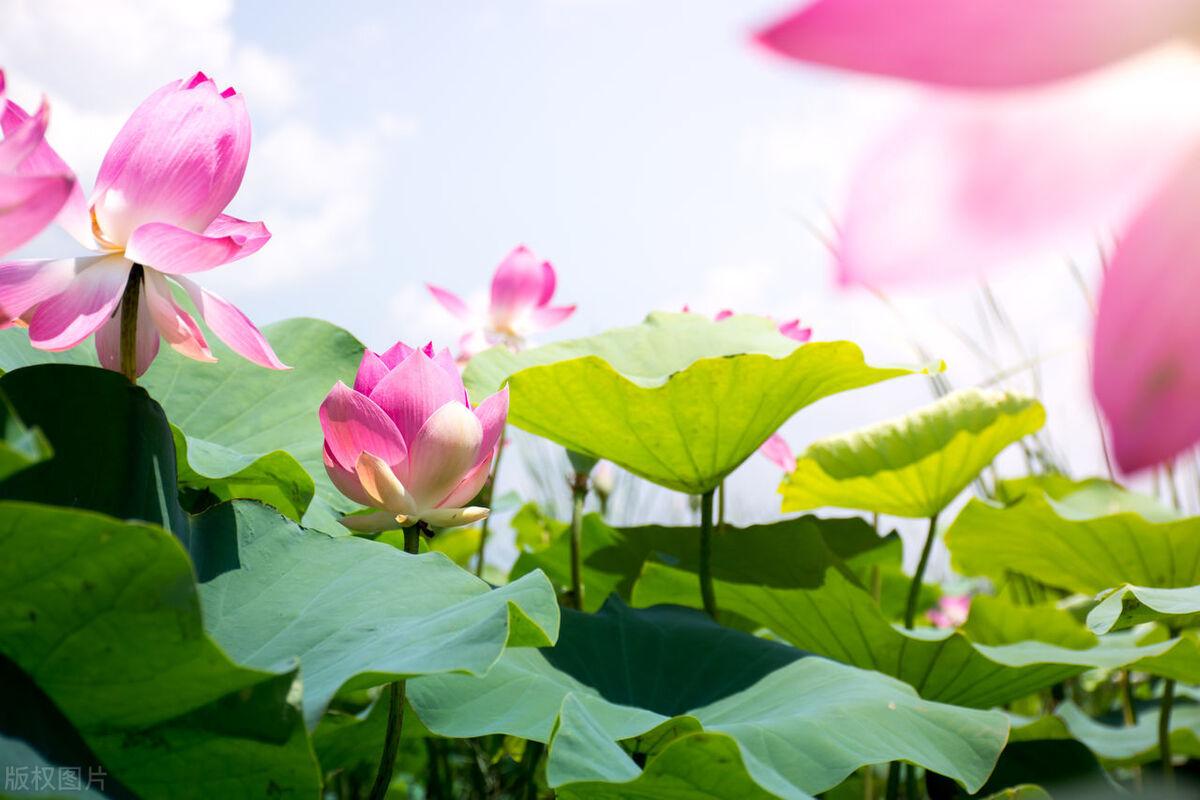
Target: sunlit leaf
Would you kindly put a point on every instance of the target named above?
(913, 466)
(679, 400)
(1129, 605)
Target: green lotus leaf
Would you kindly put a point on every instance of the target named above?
(236, 415)
(1130, 605)
(679, 400)
(104, 618)
(1116, 745)
(21, 446)
(654, 678)
(355, 613)
(913, 466)
(1086, 542)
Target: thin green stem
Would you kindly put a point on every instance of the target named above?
(914, 590)
(579, 492)
(129, 320)
(721, 508)
(893, 781)
(1164, 731)
(706, 533)
(529, 765)
(396, 692)
(485, 499)
(910, 782)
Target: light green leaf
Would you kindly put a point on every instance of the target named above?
(103, 616)
(679, 400)
(355, 613)
(913, 466)
(622, 674)
(1116, 745)
(1130, 605)
(1085, 542)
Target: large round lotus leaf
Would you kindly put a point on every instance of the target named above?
(679, 400)
(250, 432)
(355, 613)
(103, 617)
(913, 466)
(1085, 542)
(799, 726)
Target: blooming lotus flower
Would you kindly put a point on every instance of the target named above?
(31, 191)
(157, 204)
(1054, 121)
(951, 611)
(405, 442)
(522, 288)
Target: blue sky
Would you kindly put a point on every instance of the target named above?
(645, 148)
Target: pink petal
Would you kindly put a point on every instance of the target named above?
(179, 160)
(108, 341)
(447, 362)
(23, 138)
(29, 203)
(451, 302)
(519, 283)
(968, 185)
(547, 317)
(381, 484)
(354, 425)
(976, 43)
(395, 355)
(232, 326)
(443, 452)
(173, 250)
(414, 390)
(1146, 372)
(724, 313)
(793, 330)
(549, 282)
(453, 517)
(492, 414)
(371, 370)
(44, 162)
(175, 324)
(66, 319)
(24, 284)
(777, 451)
(470, 485)
(346, 481)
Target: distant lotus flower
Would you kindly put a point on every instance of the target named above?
(1076, 120)
(405, 441)
(31, 190)
(157, 203)
(790, 328)
(522, 288)
(951, 611)
(778, 451)
(604, 479)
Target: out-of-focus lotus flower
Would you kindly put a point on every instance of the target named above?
(1075, 121)
(951, 611)
(31, 191)
(778, 451)
(522, 288)
(405, 441)
(790, 328)
(157, 204)
(604, 479)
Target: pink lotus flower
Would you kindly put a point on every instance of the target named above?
(951, 611)
(522, 288)
(790, 328)
(1075, 120)
(157, 203)
(31, 191)
(405, 441)
(778, 451)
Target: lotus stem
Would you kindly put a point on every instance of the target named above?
(129, 321)
(1164, 731)
(486, 501)
(396, 692)
(706, 533)
(893, 781)
(579, 490)
(914, 590)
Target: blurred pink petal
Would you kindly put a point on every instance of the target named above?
(353, 424)
(951, 611)
(24, 284)
(28, 203)
(174, 250)
(67, 318)
(520, 282)
(977, 43)
(108, 341)
(471, 484)
(175, 324)
(451, 302)
(231, 326)
(777, 451)
(413, 391)
(22, 138)
(724, 313)
(793, 330)
(178, 160)
(547, 317)
(444, 450)
(971, 184)
(1146, 368)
